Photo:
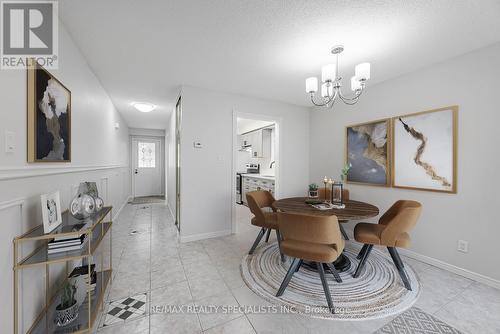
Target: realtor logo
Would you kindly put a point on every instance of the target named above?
(29, 30)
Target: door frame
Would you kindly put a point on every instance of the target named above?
(161, 160)
(277, 155)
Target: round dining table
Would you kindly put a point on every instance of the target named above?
(354, 210)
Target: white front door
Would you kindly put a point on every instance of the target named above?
(147, 167)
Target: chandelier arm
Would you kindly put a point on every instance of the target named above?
(330, 99)
(356, 96)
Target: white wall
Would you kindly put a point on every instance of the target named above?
(206, 175)
(99, 153)
(469, 81)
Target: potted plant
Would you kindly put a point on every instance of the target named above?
(313, 190)
(67, 310)
(344, 172)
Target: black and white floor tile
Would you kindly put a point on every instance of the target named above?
(125, 309)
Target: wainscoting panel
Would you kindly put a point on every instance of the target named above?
(20, 210)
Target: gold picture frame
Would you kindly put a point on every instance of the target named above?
(60, 148)
(351, 177)
(430, 172)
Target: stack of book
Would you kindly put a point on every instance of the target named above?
(82, 272)
(66, 244)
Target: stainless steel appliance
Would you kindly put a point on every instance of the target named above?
(239, 198)
(253, 168)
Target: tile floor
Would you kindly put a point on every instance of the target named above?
(148, 258)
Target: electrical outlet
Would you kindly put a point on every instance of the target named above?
(463, 246)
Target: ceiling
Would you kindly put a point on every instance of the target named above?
(145, 50)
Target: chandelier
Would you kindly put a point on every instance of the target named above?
(331, 82)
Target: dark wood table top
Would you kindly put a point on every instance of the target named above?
(354, 210)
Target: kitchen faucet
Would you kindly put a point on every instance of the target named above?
(271, 165)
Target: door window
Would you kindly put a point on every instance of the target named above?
(146, 155)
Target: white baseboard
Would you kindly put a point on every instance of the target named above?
(452, 268)
(445, 266)
(170, 210)
(121, 207)
(201, 236)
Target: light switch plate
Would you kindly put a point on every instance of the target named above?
(10, 142)
(463, 246)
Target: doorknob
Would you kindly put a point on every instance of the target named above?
(136, 171)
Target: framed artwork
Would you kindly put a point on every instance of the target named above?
(368, 152)
(49, 117)
(51, 211)
(425, 150)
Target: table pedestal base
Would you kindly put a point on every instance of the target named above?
(341, 264)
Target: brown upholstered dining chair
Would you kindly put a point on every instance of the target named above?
(392, 232)
(257, 201)
(326, 194)
(310, 238)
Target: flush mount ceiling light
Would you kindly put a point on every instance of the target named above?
(331, 82)
(144, 107)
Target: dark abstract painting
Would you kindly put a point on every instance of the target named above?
(367, 153)
(49, 117)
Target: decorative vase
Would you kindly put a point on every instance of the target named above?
(82, 206)
(313, 194)
(67, 315)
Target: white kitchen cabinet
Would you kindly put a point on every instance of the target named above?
(261, 143)
(252, 183)
(260, 140)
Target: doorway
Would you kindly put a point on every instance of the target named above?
(256, 162)
(147, 167)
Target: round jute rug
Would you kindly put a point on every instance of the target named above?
(378, 292)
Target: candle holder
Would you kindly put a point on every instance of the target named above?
(325, 197)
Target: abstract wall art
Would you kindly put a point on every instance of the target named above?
(368, 153)
(425, 150)
(48, 116)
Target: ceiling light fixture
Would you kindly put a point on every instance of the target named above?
(144, 107)
(331, 82)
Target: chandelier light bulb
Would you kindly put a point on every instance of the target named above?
(328, 73)
(355, 84)
(362, 71)
(326, 90)
(311, 85)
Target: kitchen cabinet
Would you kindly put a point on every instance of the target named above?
(252, 183)
(260, 140)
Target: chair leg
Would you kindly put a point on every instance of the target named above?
(362, 261)
(362, 251)
(399, 266)
(334, 272)
(268, 234)
(344, 234)
(278, 236)
(256, 242)
(298, 267)
(325, 286)
(288, 277)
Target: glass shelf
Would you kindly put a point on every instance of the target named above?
(40, 255)
(45, 323)
(70, 226)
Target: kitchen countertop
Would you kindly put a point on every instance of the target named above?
(258, 176)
